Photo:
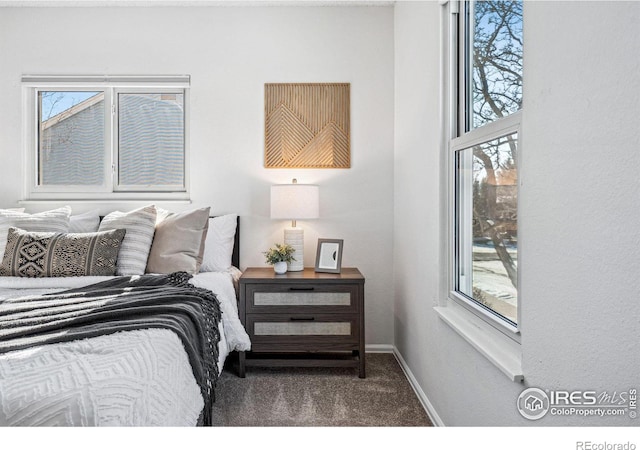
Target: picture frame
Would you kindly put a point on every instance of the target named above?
(329, 255)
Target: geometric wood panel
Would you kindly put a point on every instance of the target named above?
(307, 125)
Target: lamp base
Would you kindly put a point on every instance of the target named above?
(294, 236)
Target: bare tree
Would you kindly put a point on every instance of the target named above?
(496, 93)
(497, 60)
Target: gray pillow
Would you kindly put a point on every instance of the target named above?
(178, 243)
(39, 254)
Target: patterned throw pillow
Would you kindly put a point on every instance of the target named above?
(34, 255)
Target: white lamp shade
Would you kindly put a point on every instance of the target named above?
(295, 201)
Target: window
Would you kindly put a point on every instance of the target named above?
(71, 138)
(484, 153)
(106, 137)
(491, 61)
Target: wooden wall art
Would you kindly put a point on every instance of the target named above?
(307, 125)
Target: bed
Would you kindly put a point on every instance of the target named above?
(125, 349)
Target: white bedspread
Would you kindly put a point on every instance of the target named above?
(131, 378)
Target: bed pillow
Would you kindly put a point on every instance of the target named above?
(218, 247)
(84, 223)
(161, 214)
(38, 254)
(140, 225)
(56, 220)
(178, 243)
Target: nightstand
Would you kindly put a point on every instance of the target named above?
(303, 319)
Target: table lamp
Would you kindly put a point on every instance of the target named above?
(293, 202)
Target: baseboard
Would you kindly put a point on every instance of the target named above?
(379, 348)
(424, 400)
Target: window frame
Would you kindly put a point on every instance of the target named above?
(497, 129)
(461, 135)
(111, 86)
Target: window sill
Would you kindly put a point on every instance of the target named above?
(503, 352)
(142, 202)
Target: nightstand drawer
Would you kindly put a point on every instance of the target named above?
(301, 327)
(297, 332)
(269, 298)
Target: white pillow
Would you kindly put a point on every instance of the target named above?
(218, 247)
(56, 220)
(84, 223)
(134, 251)
(161, 214)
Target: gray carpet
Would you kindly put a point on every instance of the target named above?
(314, 397)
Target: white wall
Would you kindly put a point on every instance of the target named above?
(230, 52)
(580, 208)
(581, 197)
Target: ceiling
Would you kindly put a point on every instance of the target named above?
(164, 3)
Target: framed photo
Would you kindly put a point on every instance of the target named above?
(329, 255)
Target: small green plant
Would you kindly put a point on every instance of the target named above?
(281, 252)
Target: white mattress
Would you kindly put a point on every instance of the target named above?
(132, 378)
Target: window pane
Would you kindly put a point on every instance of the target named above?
(151, 139)
(487, 225)
(496, 80)
(71, 138)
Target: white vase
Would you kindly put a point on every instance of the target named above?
(280, 267)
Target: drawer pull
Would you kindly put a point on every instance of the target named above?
(303, 288)
(302, 319)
